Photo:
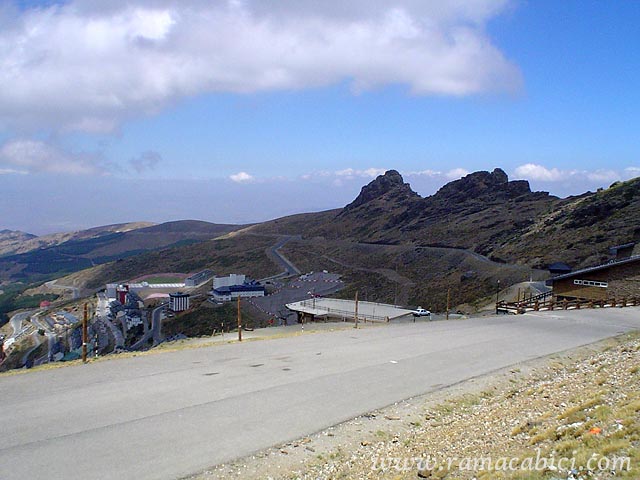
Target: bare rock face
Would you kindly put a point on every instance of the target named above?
(390, 185)
(495, 185)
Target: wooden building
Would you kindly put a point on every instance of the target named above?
(617, 279)
(559, 268)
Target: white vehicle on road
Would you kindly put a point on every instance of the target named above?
(421, 312)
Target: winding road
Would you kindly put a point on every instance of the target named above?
(274, 254)
(16, 322)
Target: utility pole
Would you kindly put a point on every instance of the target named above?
(497, 295)
(448, 301)
(395, 297)
(356, 311)
(84, 333)
(239, 321)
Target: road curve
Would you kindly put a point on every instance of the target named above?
(274, 253)
(168, 415)
(16, 322)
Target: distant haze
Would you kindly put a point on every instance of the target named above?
(49, 204)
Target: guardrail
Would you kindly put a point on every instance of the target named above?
(343, 313)
(549, 304)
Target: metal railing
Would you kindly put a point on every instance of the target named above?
(338, 312)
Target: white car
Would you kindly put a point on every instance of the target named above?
(421, 312)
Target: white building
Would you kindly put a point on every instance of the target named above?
(229, 281)
(225, 294)
(178, 302)
(198, 279)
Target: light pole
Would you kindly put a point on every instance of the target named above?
(239, 321)
(84, 333)
(497, 294)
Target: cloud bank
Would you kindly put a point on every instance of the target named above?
(87, 66)
(241, 177)
(23, 156)
(535, 172)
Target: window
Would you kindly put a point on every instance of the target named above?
(591, 283)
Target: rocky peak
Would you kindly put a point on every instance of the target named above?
(391, 184)
(499, 176)
(483, 183)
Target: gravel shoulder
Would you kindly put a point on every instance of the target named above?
(579, 404)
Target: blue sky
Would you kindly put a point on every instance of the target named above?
(245, 110)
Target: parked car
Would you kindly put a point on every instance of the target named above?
(421, 312)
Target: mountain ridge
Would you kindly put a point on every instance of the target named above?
(484, 212)
(31, 242)
(465, 237)
(98, 245)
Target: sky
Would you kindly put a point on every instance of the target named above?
(237, 111)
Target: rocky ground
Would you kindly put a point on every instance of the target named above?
(581, 406)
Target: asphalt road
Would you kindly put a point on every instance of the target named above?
(16, 322)
(274, 252)
(318, 283)
(167, 415)
(156, 324)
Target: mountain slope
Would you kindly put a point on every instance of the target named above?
(393, 245)
(12, 240)
(104, 244)
(483, 212)
(26, 242)
(581, 229)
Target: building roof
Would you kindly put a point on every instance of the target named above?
(247, 287)
(626, 245)
(200, 275)
(559, 266)
(613, 263)
(178, 295)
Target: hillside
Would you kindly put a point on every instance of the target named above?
(392, 245)
(12, 240)
(101, 245)
(581, 229)
(483, 212)
(15, 242)
(244, 254)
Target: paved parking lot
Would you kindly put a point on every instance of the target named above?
(318, 283)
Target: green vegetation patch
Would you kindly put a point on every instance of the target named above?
(12, 299)
(205, 319)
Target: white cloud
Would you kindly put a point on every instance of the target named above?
(531, 171)
(88, 65)
(34, 156)
(11, 171)
(145, 161)
(603, 176)
(632, 171)
(535, 172)
(354, 173)
(424, 173)
(242, 177)
(456, 173)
